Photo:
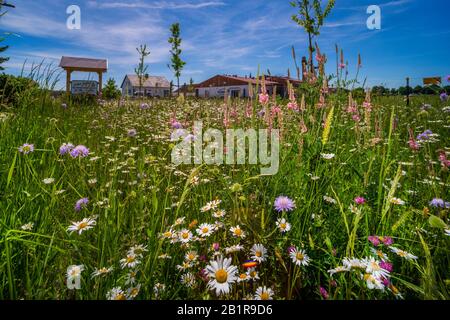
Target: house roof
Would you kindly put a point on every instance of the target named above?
(227, 80)
(84, 64)
(151, 81)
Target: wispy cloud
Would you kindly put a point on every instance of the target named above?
(163, 5)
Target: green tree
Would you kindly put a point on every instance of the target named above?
(111, 91)
(3, 48)
(311, 17)
(141, 69)
(417, 89)
(177, 64)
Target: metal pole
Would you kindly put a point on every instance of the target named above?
(407, 91)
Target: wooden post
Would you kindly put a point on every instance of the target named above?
(100, 83)
(68, 72)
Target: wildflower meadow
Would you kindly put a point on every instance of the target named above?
(332, 192)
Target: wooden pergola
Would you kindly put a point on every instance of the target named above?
(73, 64)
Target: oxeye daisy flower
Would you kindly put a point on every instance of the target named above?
(81, 204)
(233, 249)
(26, 148)
(283, 225)
(447, 232)
(397, 201)
(74, 272)
(138, 250)
(237, 232)
(380, 254)
(338, 269)
(243, 277)
(66, 148)
(191, 256)
(222, 275)
(133, 291)
(130, 261)
(212, 205)
(101, 272)
(258, 253)
(299, 257)
(48, 180)
(264, 293)
(329, 199)
(253, 274)
(188, 279)
(327, 156)
(373, 267)
(403, 254)
(83, 225)
(116, 294)
(79, 152)
(284, 204)
(184, 235)
(130, 278)
(205, 230)
(27, 227)
(353, 263)
(372, 282)
(219, 214)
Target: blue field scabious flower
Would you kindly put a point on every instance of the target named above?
(284, 204)
(66, 148)
(79, 152)
(439, 203)
(81, 204)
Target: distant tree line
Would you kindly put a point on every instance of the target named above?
(403, 91)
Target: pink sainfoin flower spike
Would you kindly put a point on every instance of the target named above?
(360, 200)
(387, 266)
(374, 240)
(324, 293)
(443, 159)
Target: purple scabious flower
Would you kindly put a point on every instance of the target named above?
(444, 96)
(387, 241)
(387, 266)
(176, 125)
(81, 204)
(26, 148)
(360, 200)
(424, 135)
(261, 113)
(132, 133)
(144, 106)
(79, 152)
(439, 203)
(284, 204)
(65, 148)
(374, 240)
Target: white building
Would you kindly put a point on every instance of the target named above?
(153, 86)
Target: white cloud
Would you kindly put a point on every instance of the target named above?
(163, 5)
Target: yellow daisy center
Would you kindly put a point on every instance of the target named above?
(130, 259)
(258, 254)
(238, 232)
(265, 295)
(243, 276)
(221, 276)
(283, 226)
(205, 230)
(299, 256)
(185, 235)
(121, 296)
(82, 225)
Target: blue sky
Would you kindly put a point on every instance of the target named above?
(232, 36)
